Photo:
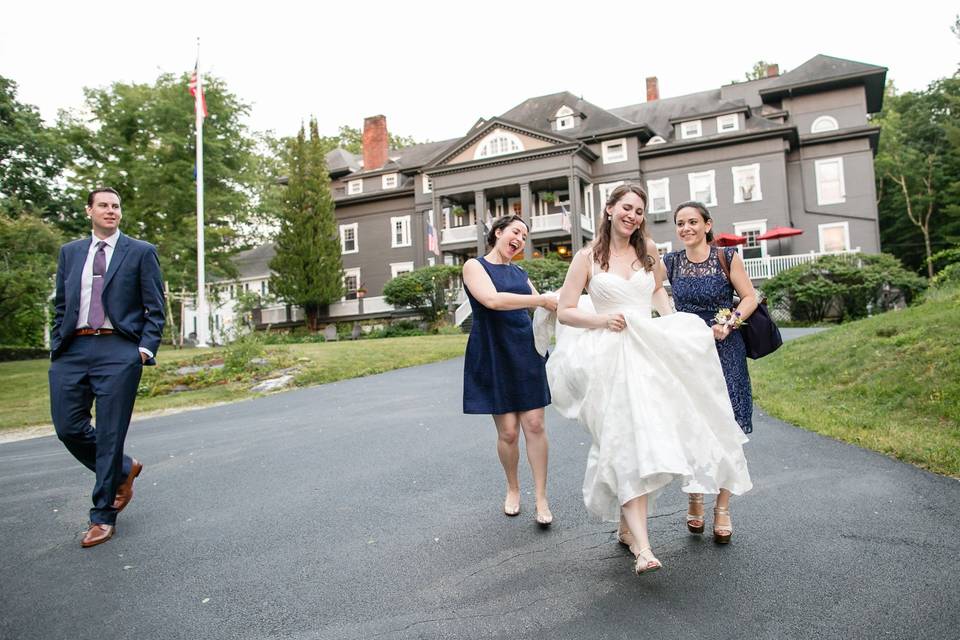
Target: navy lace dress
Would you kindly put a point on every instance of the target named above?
(502, 371)
(702, 288)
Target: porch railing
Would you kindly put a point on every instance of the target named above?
(547, 222)
(465, 233)
(769, 266)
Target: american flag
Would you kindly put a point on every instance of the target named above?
(193, 91)
(432, 244)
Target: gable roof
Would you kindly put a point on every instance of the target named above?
(252, 263)
(823, 72)
(538, 113)
(482, 129)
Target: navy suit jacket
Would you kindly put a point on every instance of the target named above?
(132, 294)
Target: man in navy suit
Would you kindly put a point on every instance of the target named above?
(107, 324)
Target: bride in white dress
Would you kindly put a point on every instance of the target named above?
(650, 391)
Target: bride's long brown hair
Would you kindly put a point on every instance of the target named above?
(638, 239)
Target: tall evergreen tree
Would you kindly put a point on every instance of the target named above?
(307, 269)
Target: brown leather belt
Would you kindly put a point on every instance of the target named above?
(93, 332)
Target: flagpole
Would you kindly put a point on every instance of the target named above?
(203, 314)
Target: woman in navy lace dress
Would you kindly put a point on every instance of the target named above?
(503, 374)
(699, 285)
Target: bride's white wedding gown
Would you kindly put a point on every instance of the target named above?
(652, 396)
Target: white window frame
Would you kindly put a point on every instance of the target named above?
(652, 185)
(354, 187)
(352, 271)
(404, 231)
(712, 176)
(588, 208)
(612, 157)
(355, 227)
(655, 140)
(664, 247)
(691, 129)
(604, 190)
(818, 168)
(397, 267)
(564, 118)
(389, 181)
(741, 172)
(728, 119)
(824, 123)
(751, 225)
(426, 184)
(485, 150)
(845, 225)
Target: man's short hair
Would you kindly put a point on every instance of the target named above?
(101, 190)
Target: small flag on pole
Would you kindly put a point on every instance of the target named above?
(195, 85)
(432, 244)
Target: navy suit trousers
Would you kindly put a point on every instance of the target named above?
(104, 369)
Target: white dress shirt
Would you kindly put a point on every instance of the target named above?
(86, 283)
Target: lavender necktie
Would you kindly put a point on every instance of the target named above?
(95, 318)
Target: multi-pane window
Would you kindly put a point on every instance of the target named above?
(746, 183)
(729, 122)
(427, 183)
(703, 187)
(564, 117)
(691, 129)
(400, 231)
(614, 150)
(664, 247)
(389, 181)
(351, 282)
(830, 188)
(659, 194)
(354, 187)
(399, 268)
(498, 143)
(348, 238)
(605, 189)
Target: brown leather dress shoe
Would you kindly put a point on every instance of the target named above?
(125, 490)
(97, 534)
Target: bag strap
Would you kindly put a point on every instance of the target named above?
(722, 256)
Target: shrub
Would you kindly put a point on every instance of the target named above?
(547, 273)
(843, 287)
(424, 289)
(238, 354)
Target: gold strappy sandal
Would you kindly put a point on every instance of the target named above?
(644, 565)
(692, 518)
(722, 533)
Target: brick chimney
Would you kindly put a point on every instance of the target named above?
(773, 70)
(375, 142)
(653, 89)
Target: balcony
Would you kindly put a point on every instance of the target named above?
(466, 233)
(547, 222)
(768, 267)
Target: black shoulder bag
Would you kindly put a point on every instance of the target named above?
(759, 331)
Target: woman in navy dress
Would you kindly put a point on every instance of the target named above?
(503, 374)
(700, 286)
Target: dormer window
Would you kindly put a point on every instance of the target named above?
(824, 123)
(388, 181)
(655, 140)
(498, 143)
(354, 187)
(565, 118)
(729, 122)
(691, 129)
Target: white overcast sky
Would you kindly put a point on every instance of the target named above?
(433, 68)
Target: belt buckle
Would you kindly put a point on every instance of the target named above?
(96, 332)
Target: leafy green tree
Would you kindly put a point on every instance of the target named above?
(28, 261)
(32, 159)
(351, 139)
(140, 139)
(307, 270)
(425, 289)
(758, 71)
(918, 170)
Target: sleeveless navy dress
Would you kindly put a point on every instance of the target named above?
(703, 288)
(502, 371)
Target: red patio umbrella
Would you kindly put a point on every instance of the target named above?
(779, 232)
(728, 240)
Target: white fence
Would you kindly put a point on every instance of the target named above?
(764, 268)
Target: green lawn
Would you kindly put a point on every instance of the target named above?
(24, 397)
(890, 383)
